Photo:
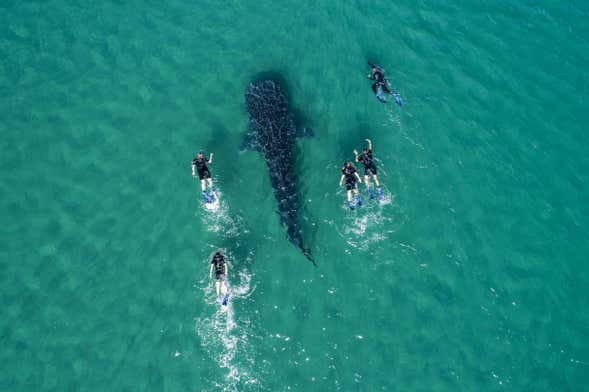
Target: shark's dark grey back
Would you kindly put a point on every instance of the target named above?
(270, 122)
(272, 132)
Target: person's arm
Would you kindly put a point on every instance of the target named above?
(341, 180)
(358, 176)
(193, 172)
(356, 154)
(226, 268)
(210, 158)
(369, 144)
(211, 271)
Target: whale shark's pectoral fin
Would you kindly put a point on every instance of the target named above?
(250, 142)
(305, 132)
(307, 253)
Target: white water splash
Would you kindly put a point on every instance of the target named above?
(219, 220)
(225, 335)
(370, 224)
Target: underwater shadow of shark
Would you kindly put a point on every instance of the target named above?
(272, 132)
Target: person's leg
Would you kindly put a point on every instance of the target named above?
(367, 180)
(358, 200)
(217, 284)
(210, 182)
(203, 185)
(349, 195)
(376, 180)
(224, 287)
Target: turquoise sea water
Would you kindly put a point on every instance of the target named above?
(471, 276)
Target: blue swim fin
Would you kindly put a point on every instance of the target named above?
(380, 95)
(225, 300)
(398, 99)
(351, 205)
(358, 201)
(370, 193)
(212, 196)
(379, 192)
(206, 197)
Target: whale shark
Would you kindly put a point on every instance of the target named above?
(272, 132)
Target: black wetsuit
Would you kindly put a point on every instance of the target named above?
(349, 172)
(201, 167)
(219, 262)
(369, 166)
(378, 77)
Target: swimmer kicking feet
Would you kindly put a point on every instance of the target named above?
(350, 175)
(219, 265)
(199, 164)
(369, 169)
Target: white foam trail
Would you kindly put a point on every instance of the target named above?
(370, 224)
(219, 220)
(225, 336)
(223, 333)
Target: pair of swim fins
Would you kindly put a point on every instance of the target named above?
(357, 202)
(378, 193)
(381, 96)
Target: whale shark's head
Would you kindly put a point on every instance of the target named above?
(271, 125)
(265, 101)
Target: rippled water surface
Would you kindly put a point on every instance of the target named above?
(470, 275)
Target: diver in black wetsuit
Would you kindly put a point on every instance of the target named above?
(200, 164)
(369, 168)
(350, 174)
(377, 74)
(219, 264)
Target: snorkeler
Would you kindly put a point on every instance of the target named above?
(350, 175)
(369, 169)
(381, 84)
(219, 264)
(377, 74)
(200, 164)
